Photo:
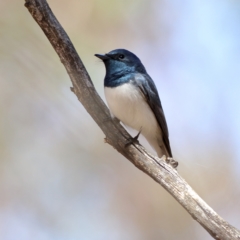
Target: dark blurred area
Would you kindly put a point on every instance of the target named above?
(58, 179)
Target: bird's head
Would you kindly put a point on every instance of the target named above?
(121, 61)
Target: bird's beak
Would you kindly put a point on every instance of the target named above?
(102, 56)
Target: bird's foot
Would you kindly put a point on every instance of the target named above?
(171, 162)
(133, 140)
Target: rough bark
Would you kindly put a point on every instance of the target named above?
(116, 135)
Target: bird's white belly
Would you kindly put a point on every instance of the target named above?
(126, 103)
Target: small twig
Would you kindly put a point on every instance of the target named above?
(116, 135)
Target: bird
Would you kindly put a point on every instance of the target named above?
(133, 99)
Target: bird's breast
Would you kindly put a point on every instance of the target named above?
(127, 103)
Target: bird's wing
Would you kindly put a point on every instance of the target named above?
(149, 90)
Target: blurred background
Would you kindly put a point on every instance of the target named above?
(58, 179)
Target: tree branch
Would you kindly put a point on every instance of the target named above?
(116, 135)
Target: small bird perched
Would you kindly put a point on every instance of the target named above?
(132, 98)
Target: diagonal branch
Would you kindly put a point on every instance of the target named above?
(116, 135)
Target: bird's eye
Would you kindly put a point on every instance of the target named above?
(121, 56)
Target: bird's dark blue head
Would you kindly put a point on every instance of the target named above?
(120, 65)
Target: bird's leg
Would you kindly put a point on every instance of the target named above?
(171, 162)
(133, 140)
